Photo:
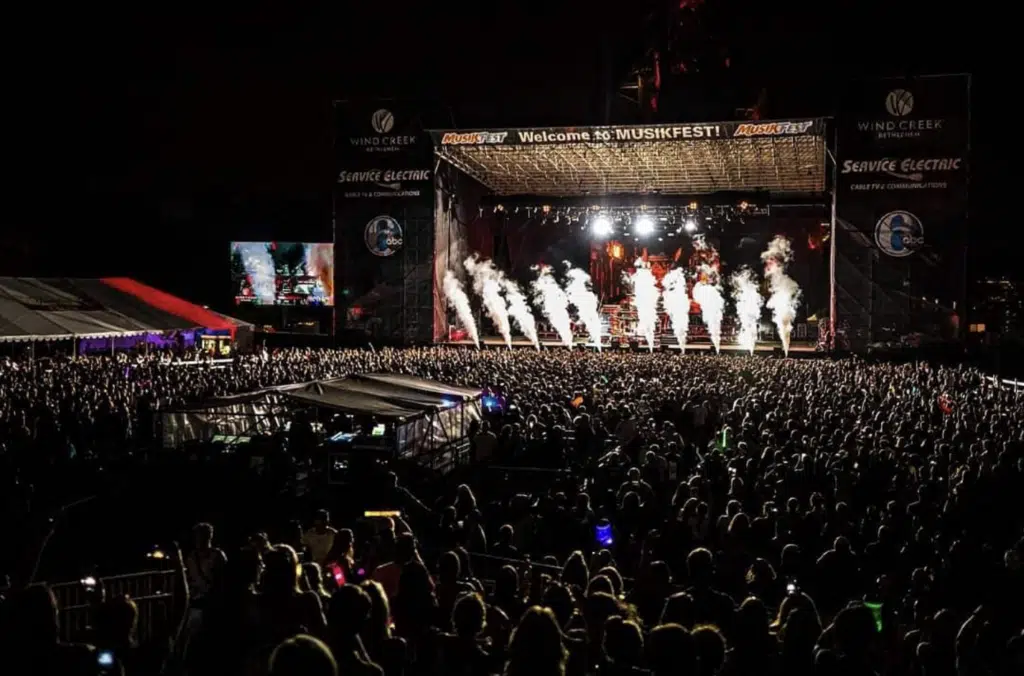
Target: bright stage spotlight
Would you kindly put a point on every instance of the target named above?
(601, 226)
(690, 225)
(644, 226)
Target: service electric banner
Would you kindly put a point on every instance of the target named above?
(903, 158)
(383, 209)
(630, 133)
(381, 152)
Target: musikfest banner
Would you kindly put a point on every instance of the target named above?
(903, 149)
(702, 131)
(383, 213)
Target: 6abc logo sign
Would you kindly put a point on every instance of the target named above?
(899, 233)
(383, 236)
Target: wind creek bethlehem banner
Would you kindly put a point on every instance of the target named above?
(630, 133)
(903, 156)
(383, 199)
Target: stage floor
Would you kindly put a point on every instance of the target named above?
(794, 348)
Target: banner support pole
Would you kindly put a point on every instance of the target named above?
(832, 248)
(334, 222)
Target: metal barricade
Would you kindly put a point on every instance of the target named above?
(152, 591)
(486, 566)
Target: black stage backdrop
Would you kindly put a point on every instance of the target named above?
(902, 176)
(383, 220)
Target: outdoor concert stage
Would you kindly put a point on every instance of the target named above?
(762, 348)
(705, 199)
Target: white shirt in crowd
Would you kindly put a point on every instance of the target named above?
(319, 543)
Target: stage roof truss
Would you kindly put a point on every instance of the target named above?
(774, 157)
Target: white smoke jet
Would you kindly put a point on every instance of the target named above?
(708, 295)
(677, 304)
(748, 307)
(520, 310)
(553, 302)
(459, 301)
(487, 285)
(259, 265)
(645, 300)
(785, 293)
(583, 299)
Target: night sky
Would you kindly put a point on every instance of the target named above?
(143, 140)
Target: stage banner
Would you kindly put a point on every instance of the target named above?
(903, 149)
(381, 152)
(383, 219)
(703, 131)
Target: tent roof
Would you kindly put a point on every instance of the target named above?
(198, 315)
(423, 384)
(382, 395)
(55, 309)
(48, 309)
(340, 396)
(234, 320)
(781, 157)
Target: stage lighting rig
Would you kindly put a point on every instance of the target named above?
(643, 226)
(636, 221)
(601, 226)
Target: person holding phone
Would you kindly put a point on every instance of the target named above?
(30, 637)
(116, 620)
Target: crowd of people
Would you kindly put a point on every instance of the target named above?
(718, 516)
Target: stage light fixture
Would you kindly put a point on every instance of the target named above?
(601, 226)
(644, 226)
(690, 225)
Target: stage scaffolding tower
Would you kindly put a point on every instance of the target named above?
(417, 315)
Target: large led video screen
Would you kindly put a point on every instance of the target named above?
(282, 273)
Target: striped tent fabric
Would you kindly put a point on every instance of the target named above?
(37, 309)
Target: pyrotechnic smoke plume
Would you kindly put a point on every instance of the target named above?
(459, 301)
(320, 263)
(748, 307)
(785, 293)
(709, 296)
(677, 304)
(583, 299)
(645, 300)
(487, 284)
(520, 310)
(553, 302)
(260, 266)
